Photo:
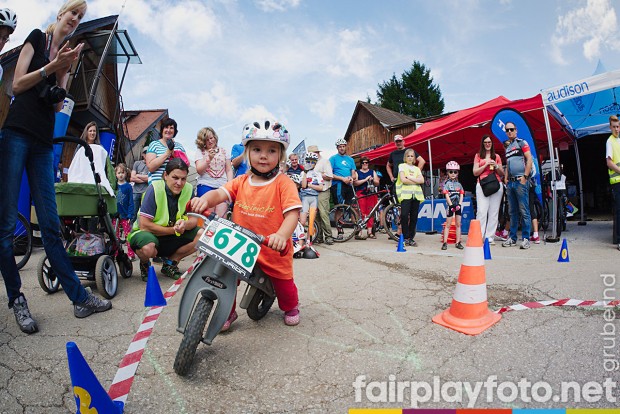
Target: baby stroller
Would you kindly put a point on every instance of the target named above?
(92, 254)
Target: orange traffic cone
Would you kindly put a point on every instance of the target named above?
(469, 312)
(451, 232)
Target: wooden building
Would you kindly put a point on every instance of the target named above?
(372, 126)
(94, 84)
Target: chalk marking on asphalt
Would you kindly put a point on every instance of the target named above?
(408, 356)
(389, 355)
(121, 384)
(179, 400)
(561, 302)
(356, 326)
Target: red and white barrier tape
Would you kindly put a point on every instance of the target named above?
(119, 390)
(560, 302)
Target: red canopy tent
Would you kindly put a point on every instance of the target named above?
(457, 136)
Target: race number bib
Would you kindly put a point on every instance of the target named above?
(235, 246)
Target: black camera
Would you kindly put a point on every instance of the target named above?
(52, 94)
(169, 143)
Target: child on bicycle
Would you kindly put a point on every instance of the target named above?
(311, 184)
(124, 204)
(453, 190)
(267, 203)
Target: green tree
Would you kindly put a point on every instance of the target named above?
(414, 94)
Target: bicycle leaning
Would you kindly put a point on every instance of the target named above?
(349, 220)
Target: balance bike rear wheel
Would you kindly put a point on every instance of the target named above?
(259, 305)
(192, 336)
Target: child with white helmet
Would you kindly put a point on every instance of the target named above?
(454, 192)
(311, 184)
(266, 202)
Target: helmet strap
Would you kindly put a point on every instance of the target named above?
(268, 174)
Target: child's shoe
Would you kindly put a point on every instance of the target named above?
(444, 246)
(459, 246)
(229, 321)
(291, 318)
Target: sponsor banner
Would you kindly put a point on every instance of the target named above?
(498, 128)
(581, 87)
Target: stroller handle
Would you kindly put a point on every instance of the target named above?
(87, 151)
(68, 138)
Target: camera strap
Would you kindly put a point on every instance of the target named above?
(48, 46)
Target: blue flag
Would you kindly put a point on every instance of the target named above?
(498, 124)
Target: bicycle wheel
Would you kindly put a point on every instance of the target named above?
(559, 218)
(192, 336)
(544, 215)
(392, 220)
(343, 218)
(22, 241)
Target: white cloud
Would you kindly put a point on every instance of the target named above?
(218, 101)
(277, 5)
(595, 25)
(176, 27)
(324, 108)
(352, 56)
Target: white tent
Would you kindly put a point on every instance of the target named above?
(583, 107)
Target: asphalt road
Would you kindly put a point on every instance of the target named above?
(366, 319)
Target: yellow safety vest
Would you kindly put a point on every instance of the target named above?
(408, 191)
(161, 215)
(614, 177)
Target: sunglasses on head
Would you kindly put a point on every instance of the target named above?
(510, 129)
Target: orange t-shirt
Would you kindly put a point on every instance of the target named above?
(260, 207)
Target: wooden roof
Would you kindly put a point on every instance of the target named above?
(386, 117)
(138, 122)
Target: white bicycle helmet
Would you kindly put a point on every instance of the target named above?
(8, 18)
(453, 166)
(296, 178)
(265, 130)
(341, 141)
(311, 156)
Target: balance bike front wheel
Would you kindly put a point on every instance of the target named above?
(192, 336)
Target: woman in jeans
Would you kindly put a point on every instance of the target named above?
(487, 162)
(26, 142)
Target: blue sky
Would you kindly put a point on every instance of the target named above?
(306, 63)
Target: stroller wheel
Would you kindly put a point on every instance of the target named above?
(47, 277)
(106, 276)
(125, 267)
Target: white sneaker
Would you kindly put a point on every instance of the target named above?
(525, 244)
(491, 241)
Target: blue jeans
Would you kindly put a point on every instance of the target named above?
(519, 206)
(18, 151)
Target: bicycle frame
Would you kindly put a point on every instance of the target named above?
(362, 221)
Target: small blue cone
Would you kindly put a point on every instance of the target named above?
(154, 296)
(487, 250)
(88, 393)
(401, 244)
(563, 257)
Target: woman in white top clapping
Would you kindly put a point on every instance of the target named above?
(212, 165)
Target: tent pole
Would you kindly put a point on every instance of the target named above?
(433, 231)
(554, 233)
(581, 222)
